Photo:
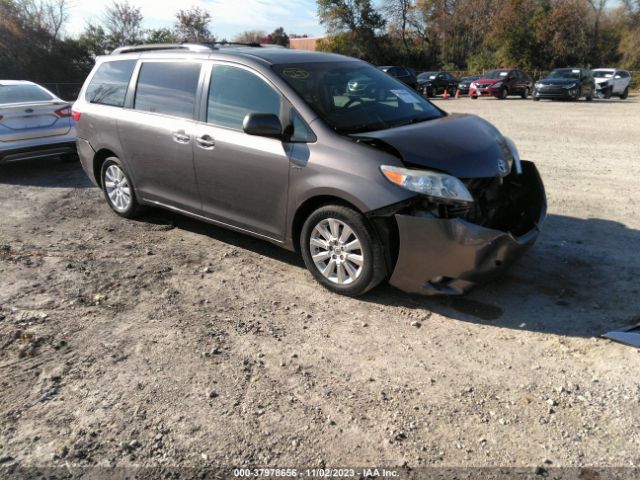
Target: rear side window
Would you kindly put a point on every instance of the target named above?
(168, 88)
(109, 84)
(234, 92)
(23, 93)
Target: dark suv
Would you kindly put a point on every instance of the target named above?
(404, 74)
(319, 153)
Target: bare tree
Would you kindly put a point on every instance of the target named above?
(250, 36)
(46, 15)
(123, 23)
(193, 25)
(400, 12)
(598, 7)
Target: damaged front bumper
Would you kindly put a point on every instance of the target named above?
(449, 256)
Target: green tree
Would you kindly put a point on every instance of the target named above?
(279, 37)
(353, 26)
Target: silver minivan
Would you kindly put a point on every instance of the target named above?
(367, 183)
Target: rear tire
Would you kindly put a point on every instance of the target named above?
(342, 251)
(625, 94)
(118, 189)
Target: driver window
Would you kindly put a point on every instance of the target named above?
(234, 92)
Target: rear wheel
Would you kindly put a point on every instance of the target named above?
(625, 94)
(342, 251)
(118, 189)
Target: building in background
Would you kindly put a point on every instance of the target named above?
(304, 43)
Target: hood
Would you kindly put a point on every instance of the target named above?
(558, 81)
(464, 146)
(600, 80)
(488, 81)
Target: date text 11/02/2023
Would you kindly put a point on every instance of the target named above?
(314, 473)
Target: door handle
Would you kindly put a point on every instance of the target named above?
(206, 142)
(181, 137)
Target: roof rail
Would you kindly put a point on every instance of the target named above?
(191, 47)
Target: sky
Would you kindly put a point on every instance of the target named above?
(229, 17)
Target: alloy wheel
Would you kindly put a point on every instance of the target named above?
(117, 188)
(336, 251)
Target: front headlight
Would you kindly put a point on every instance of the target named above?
(569, 87)
(497, 85)
(473, 85)
(538, 85)
(432, 184)
(604, 84)
(515, 154)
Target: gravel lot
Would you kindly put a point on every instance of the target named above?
(173, 344)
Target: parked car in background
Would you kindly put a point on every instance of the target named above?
(566, 84)
(501, 84)
(405, 75)
(612, 81)
(465, 84)
(34, 123)
(431, 84)
(270, 142)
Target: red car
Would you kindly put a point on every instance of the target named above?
(501, 84)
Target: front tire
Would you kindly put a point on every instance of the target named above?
(118, 189)
(525, 94)
(625, 94)
(342, 251)
(503, 94)
(607, 93)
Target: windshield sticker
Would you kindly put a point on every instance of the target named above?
(405, 96)
(503, 74)
(296, 73)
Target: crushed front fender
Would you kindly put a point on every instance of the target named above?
(439, 256)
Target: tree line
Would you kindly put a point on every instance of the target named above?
(33, 45)
(424, 34)
(476, 35)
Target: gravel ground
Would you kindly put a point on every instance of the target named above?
(172, 344)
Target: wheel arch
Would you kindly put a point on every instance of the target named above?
(308, 206)
(98, 159)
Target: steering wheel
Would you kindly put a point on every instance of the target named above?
(352, 101)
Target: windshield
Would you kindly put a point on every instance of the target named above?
(496, 74)
(23, 93)
(602, 73)
(427, 76)
(354, 97)
(565, 73)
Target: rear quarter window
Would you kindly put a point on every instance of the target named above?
(23, 93)
(109, 84)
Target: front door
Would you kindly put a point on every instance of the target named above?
(157, 134)
(243, 179)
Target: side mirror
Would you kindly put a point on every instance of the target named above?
(262, 125)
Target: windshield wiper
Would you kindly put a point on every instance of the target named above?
(411, 121)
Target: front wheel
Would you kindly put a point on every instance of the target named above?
(118, 189)
(503, 94)
(625, 94)
(342, 251)
(525, 93)
(607, 93)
